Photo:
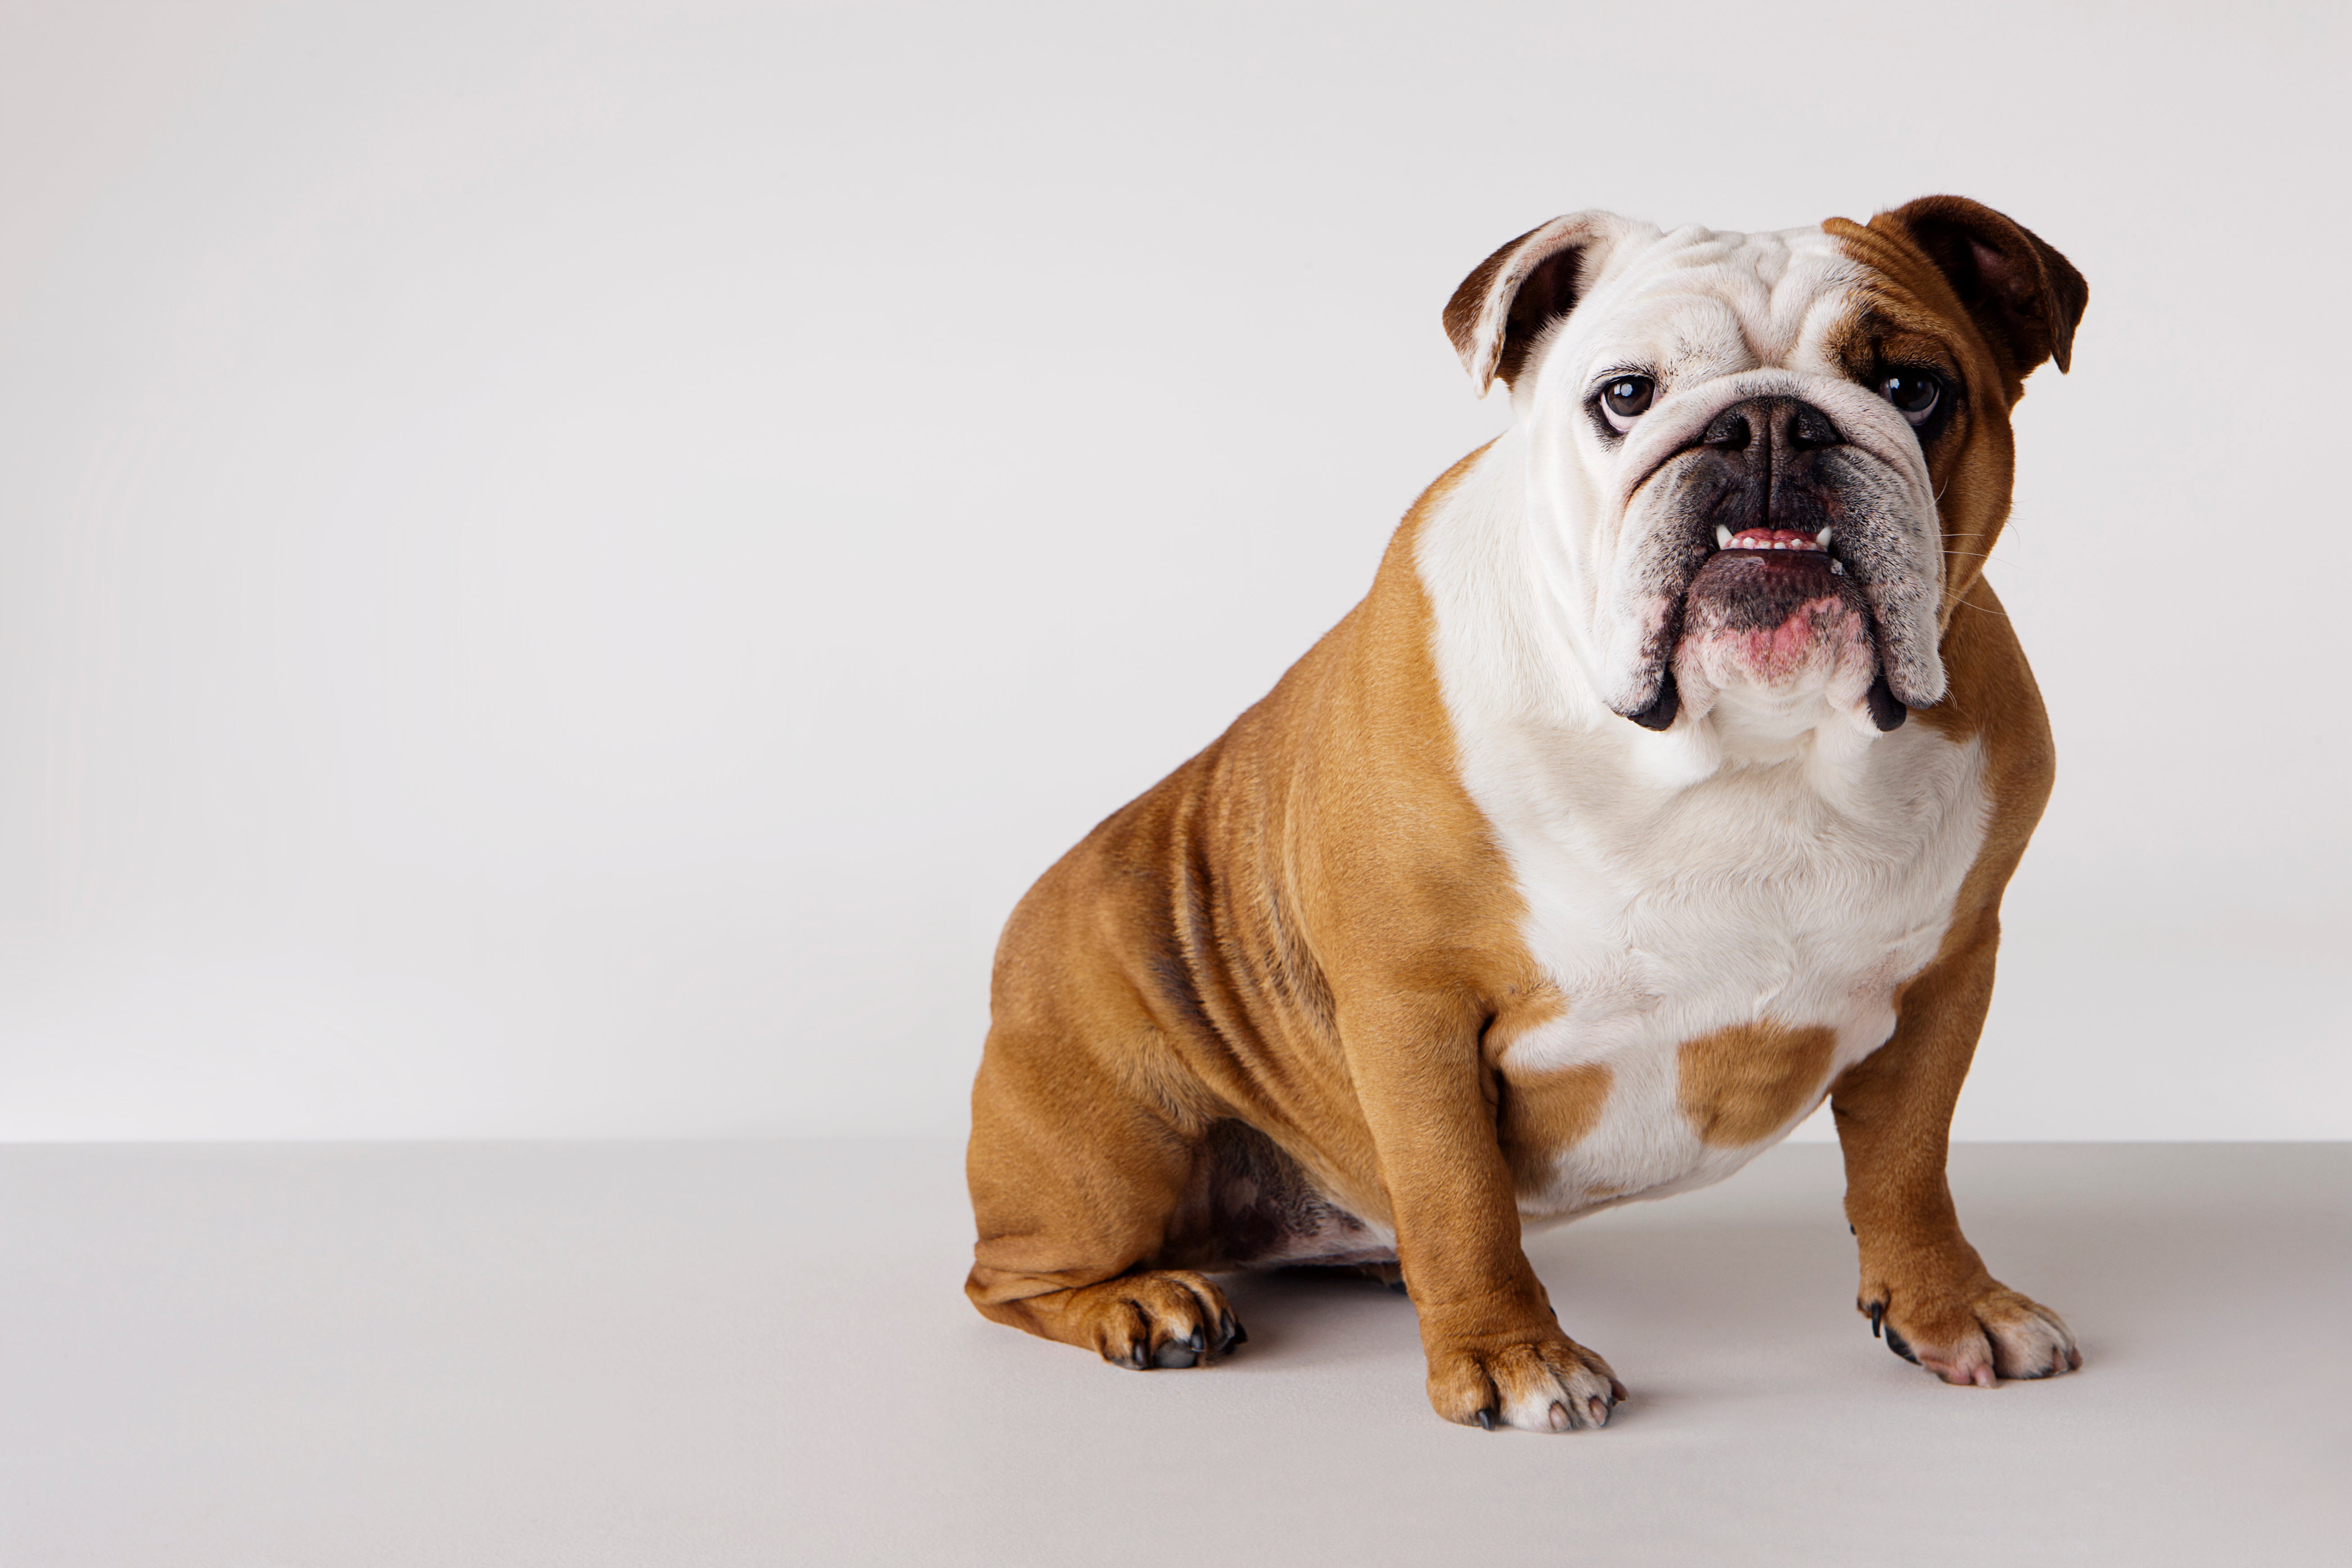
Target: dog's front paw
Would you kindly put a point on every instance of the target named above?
(1976, 1339)
(1541, 1382)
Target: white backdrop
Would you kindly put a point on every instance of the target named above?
(562, 565)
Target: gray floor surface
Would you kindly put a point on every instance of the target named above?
(757, 1353)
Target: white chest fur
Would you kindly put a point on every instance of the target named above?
(1773, 871)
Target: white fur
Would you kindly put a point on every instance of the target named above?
(1772, 857)
(1717, 319)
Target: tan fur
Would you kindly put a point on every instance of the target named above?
(1283, 980)
(1741, 1085)
(1306, 927)
(1538, 1115)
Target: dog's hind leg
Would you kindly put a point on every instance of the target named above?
(1076, 1177)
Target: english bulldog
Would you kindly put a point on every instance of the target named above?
(1665, 782)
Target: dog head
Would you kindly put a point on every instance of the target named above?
(1763, 468)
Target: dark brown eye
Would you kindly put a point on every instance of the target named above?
(1915, 393)
(1625, 399)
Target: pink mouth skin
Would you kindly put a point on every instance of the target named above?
(1771, 609)
(1794, 647)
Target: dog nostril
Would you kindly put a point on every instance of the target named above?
(1811, 429)
(1730, 431)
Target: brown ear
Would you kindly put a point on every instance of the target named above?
(1509, 298)
(2022, 295)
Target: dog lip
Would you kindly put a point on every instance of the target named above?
(1783, 546)
(1777, 564)
(1756, 562)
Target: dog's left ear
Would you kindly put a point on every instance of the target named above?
(1505, 304)
(2022, 294)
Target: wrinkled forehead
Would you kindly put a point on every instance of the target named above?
(1694, 304)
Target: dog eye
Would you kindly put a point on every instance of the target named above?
(1626, 399)
(1913, 392)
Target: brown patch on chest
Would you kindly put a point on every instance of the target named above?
(1538, 1117)
(1740, 1085)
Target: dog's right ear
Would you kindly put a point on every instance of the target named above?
(1495, 318)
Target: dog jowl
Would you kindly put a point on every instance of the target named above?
(1665, 782)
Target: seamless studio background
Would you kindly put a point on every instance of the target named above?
(562, 566)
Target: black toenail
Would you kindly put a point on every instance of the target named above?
(1486, 1420)
(1877, 1315)
(1899, 1345)
(1196, 1342)
(1241, 1335)
(1398, 1286)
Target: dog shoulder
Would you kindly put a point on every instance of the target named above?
(1994, 701)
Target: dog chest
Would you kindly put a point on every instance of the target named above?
(1713, 955)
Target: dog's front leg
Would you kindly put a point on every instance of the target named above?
(1496, 1353)
(1921, 1284)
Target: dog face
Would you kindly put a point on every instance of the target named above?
(1763, 467)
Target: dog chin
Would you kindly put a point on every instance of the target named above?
(1779, 639)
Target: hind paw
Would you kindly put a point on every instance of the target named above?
(1163, 1319)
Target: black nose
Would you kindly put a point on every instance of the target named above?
(1763, 428)
(1769, 462)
